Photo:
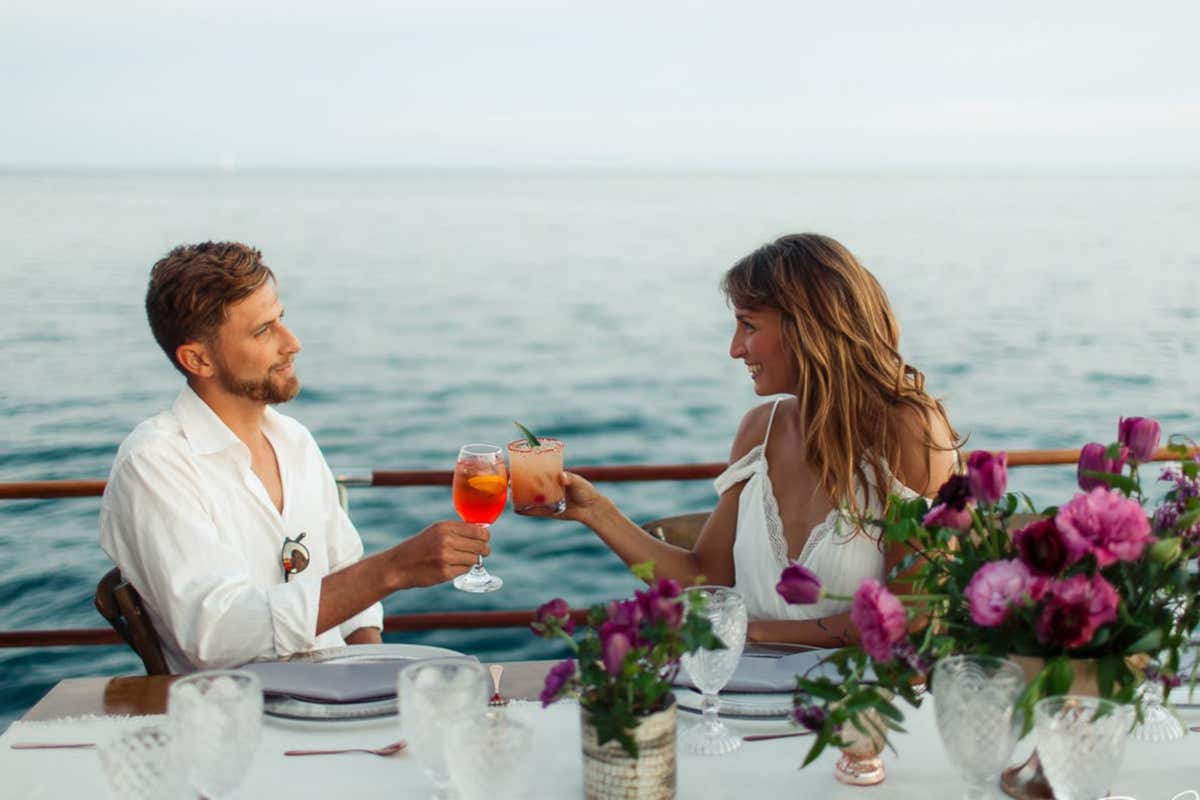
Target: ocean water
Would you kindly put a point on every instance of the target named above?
(435, 308)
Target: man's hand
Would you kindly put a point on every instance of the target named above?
(442, 551)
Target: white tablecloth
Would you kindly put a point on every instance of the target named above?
(759, 770)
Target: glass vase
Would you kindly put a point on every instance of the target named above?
(860, 763)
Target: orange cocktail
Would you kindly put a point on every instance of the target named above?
(480, 490)
(536, 485)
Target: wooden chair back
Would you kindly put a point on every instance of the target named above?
(119, 603)
(681, 530)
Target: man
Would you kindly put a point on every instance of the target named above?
(222, 512)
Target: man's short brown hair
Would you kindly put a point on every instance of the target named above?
(192, 286)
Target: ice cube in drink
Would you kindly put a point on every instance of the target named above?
(536, 488)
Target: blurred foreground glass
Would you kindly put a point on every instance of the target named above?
(480, 492)
(1080, 741)
(975, 698)
(488, 756)
(141, 764)
(435, 694)
(1159, 723)
(536, 487)
(711, 669)
(216, 717)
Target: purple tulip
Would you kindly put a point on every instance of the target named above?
(555, 611)
(1094, 458)
(799, 585)
(556, 679)
(613, 648)
(1140, 435)
(987, 474)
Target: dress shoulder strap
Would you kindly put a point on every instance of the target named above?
(770, 421)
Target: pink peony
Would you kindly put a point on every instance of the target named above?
(880, 619)
(995, 589)
(947, 516)
(1075, 608)
(799, 585)
(1106, 523)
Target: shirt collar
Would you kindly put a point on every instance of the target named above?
(207, 433)
(204, 430)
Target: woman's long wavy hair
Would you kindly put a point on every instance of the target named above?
(854, 384)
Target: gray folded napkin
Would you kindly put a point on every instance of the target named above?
(756, 673)
(330, 683)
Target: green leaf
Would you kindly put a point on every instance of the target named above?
(644, 570)
(528, 434)
(1106, 673)
(1059, 676)
(1151, 642)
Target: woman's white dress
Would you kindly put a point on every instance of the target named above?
(840, 555)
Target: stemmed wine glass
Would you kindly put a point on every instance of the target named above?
(711, 669)
(480, 493)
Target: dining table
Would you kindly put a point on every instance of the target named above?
(81, 710)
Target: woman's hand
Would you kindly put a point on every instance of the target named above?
(584, 503)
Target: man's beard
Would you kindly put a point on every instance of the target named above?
(266, 391)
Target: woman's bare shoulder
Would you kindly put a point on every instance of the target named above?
(753, 428)
(925, 463)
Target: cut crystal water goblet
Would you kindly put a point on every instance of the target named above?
(436, 694)
(216, 717)
(1080, 741)
(975, 699)
(711, 669)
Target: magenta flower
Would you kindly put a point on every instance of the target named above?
(995, 589)
(946, 516)
(660, 604)
(1094, 458)
(987, 474)
(799, 585)
(1140, 435)
(955, 492)
(1044, 550)
(811, 717)
(1075, 609)
(614, 645)
(880, 619)
(1106, 523)
(556, 679)
(555, 610)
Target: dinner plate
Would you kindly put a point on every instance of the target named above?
(294, 708)
(737, 705)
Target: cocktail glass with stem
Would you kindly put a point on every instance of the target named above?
(480, 492)
(536, 487)
(975, 699)
(710, 670)
(435, 695)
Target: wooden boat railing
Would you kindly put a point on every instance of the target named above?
(450, 620)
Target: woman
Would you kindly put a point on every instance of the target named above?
(808, 471)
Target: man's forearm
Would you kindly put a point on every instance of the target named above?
(350, 590)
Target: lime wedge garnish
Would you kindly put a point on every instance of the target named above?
(528, 434)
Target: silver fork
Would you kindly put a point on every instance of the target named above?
(497, 699)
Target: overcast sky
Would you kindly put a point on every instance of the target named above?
(944, 84)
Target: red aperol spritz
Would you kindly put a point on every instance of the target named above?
(480, 491)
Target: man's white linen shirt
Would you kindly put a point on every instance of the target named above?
(193, 529)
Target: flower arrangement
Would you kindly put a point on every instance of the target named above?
(628, 655)
(1097, 578)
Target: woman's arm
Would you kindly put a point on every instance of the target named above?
(712, 556)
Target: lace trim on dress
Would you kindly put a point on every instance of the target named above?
(774, 522)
